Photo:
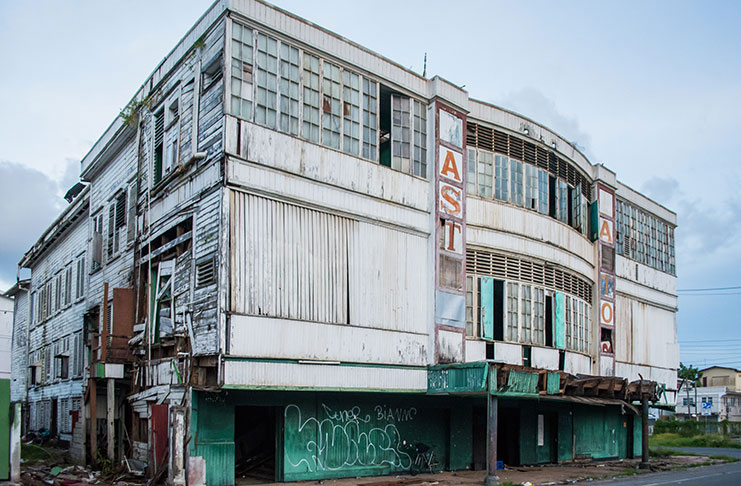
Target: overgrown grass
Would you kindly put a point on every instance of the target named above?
(676, 440)
(723, 457)
(666, 452)
(32, 453)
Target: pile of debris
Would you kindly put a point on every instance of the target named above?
(50, 475)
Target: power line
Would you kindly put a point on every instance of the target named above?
(710, 341)
(709, 294)
(709, 288)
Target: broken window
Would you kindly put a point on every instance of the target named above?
(80, 287)
(531, 187)
(568, 324)
(62, 366)
(58, 293)
(563, 202)
(267, 81)
(116, 223)
(172, 135)
(471, 170)
(351, 113)
(400, 136)
(515, 195)
(525, 335)
(370, 119)
(485, 173)
(211, 72)
(542, 191)
(242, 59)
(606, 340)
(501, 177)
(159, 147)
(470, 305)
(68, 286)
(419, 167)
(513, 291)
(289, 89)
(310, 129)
(331, 105)
(538, 316)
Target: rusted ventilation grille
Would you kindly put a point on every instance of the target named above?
(507, 267)
(471, 129)
(494, 140)
(206, 271)
(530, 153)
(501, 142)
(485, 138)
(541, 158)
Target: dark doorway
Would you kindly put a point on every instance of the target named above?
(629, 436)
(553, 426)
(479, 438)
(53, 419)
(499, 310)
(254, 445)
(508, 436)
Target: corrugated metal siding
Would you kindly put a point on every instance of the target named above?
(289, 261)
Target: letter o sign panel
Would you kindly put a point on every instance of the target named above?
(607, 313)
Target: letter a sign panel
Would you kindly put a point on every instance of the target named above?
(451, 164)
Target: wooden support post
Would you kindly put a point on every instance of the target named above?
(104, 331)
(491, 446)
(93, 418)
(644, 435)
(110, 417)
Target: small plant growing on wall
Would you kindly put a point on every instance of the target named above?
(130, 114)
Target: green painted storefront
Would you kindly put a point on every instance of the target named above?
(321, 435)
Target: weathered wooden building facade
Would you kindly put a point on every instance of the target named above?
(320, 256)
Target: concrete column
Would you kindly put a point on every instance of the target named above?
(644, 435)
(15, 444)
(92, 386)
(110, 417)
(177, 446)
(491, 446)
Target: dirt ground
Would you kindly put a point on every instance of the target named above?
(536, 475)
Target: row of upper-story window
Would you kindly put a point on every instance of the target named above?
(495, 176)
(521, 313)
(507, 168)
(61, 360)
(64, 288)
(289, 89)
(644, 238)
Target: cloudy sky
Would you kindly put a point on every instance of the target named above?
(651, 89)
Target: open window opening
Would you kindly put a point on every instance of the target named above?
(606, 341)
(254, 444)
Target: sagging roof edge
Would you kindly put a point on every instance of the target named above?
(38, 248)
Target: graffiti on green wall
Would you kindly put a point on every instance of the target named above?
(347, 438)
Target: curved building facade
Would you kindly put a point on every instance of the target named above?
(327, 257)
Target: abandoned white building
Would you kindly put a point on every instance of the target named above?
(310, 256)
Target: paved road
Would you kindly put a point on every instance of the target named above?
(720, 475)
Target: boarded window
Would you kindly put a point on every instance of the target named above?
(289, 261)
